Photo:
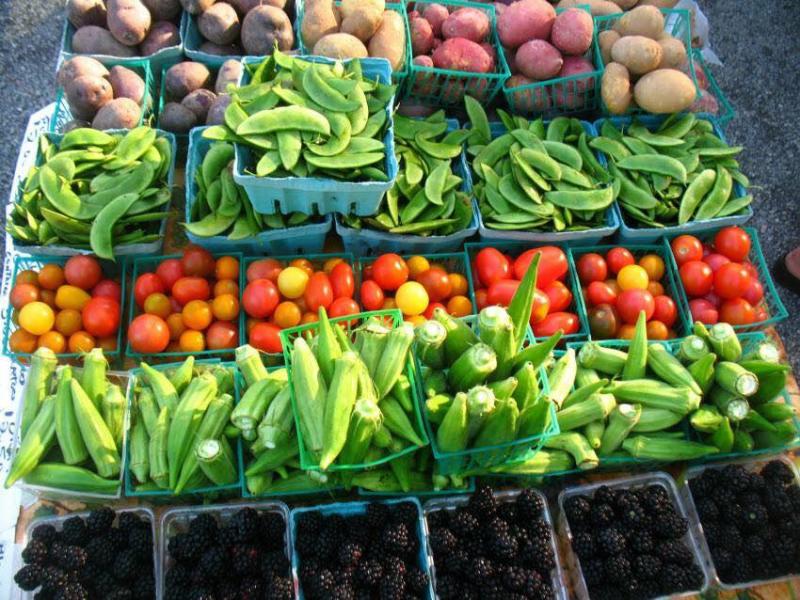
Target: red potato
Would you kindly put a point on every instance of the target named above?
(469, 23)
(538, 59)
(413, 109)
(424, 83)
(436, 14)
(421, 36)
(528, 100)
(460, 54)
(572, 31)
(525, 20)
(80, 65)
(571, 94)
(162, 35)
(499, 8)
(491, 52)
(453, 92)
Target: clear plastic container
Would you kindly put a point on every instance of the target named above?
(573, 565)
(753, 466)
(176, 520)
(57, 521)
(350, 509)
(451, 503)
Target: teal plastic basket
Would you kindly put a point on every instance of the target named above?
(393, 319)
(670, 280)
(149, 265)
(445, 87)
(514, 250)
(302, 239)
(111, 270)
(193, 41)
(319, 195)
(632, 234)
(62, 114)
(131, 490)
(450, 491)
(776, 310)
(725, 112)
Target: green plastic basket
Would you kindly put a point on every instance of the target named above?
(775, 308)
(131, 491)
(149, 264)
(111, 270)
(726, 112)
(677, 23)
(350, 322)
(450, 491)
(164, 98)
(560, 95)
(670, 279)
(445, 87)
(514, 249)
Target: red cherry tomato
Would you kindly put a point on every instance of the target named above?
(389, 271)
(737, 311)
(751, 268)
(481, 299)
(491, 265)
(686, 248)
(197, 261)
(428, 314)
(703, 311)
(83, 271)
(501, 292)
(754, 293)
(100, 317)
(599, 292)
(553, 264)
(731, 281)
(343, 282)
(560, 296)
(665, 310)
(266, 336)
(619, 257)
(148, 334)
(221, 335)
(436, 283)
(371, 295)
(697, 277)
(107, 288)
(343, 306)
(265, 268)
(187, 289)
(733, 242)
(170, 270)
(146, 284)
(567, 322)
(603, 321)
(631, 302)
(715, 261)
(761, 314)
(713, 299)
(319, 292)
(540, 307)
(260, 298)
(592, 267)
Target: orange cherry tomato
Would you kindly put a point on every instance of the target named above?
(22, 342)
(51, 276)
(303, 263)
(655, 288)
(53, 340)
(654, 265)
(192, 341)
(481, 299)
(226, 286)
(330, 263)
(227, 267)
(309, 318)
(222, 335)
(81, 341)
(656, 330)
(108, 344)
(540, 307)
(225, 307)
(83, 271)
(416, 265)
(266, 337)
(612, 283)
(197, 315)
(459, 306)
(626, 332)
(265, 268)
(69, 296)
(146, 284)
(415, 320)
(388, 304)
(48, 297)
(68, 321)
(175, 325)
(458, 284)
(287, 314)
(27, 276)
(23, 293)
(158, 304)
(319, 292)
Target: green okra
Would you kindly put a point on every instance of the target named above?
(68, 434)
(453, 433)
(157, 451)
(35, 444)
(43, 363)
(139, 451)
(577, 446)
(562, 377)
(70, 477)
(621, 422)
(338, 407)
(98, 439)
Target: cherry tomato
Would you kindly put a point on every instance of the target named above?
(303, 263)
(697, 277)
(83, 271)
(428, 314)
(226, 267)
(540, 306)
(733, 242)
(197, 261)
(192, 341)
(560, 296)
(713, 299)
(197, 315)
(371, 295)
(686, 248)
(330, 263)
(751, 268)
(22, 342)
(22, 294)
(169, 271)
(501, 292)
(146, 284)
(603, 321)
(108, 288)
(225, 307)
(416, 265)
(665, 310)
(51, 276)
(343, 281)
(655, 288)
(389, 304)
(761, 314)
(366, 272)
(292, 282)
(53, 340)
(265, 268)
(69, 296)
(754, 293)
(176, 326)
(287, 314)
(592, 267)
(176, 306)
(626, 332)
(309, 318)
(27, 276)
(632, 277)
(157, 304)
(68, 321)
(703, 311)
(737, 311)
(481, 299)
(222, 335)
(599, 292)
(656, 330)
(412, 298)
(553, 264)
(146, 334)
(226, 286)
(343, 306)
(319, 292)
(491, 265)
(567, 322)
(389, 271)
(458, 284)
(715, 261)
(80, 342)
(459, 306)
(108, 344)
(101, 317)
(37, 318)
(619, 257)
(631, 302)
(731, 281)
(436, 283)
(187, 289)
(653, 264)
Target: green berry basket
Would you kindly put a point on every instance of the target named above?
(725, 112)
(393, 320)
(446, 87)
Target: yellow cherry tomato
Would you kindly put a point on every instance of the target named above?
(415, 320)
(158, 304)
(70, 296)
(192, 341)
(287, 314)
(459, 306)
(226, 286)
(458, 284)
(53, 340)
(37, 318)
(632, 277)
(292, 282)
(654, 265)
(416, 265)
(411, 298)
(626, 332)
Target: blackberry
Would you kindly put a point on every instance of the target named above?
(610, 541)
(656, 500)
(482, 502)
(733, 512)
(503, 545)
(440, 518)
(128, 520)
(177, 580)
(214, 562)
(36, 552)
(392, 587)
(321, 583)
(755, 544)
(794, 496)
(646, 566)
(533, 583)
(53, 578)
(140, 541)
(117, 538)
(605, 495)
(69, 558)
(406, 513)
(448, 587)
(273, 528)
(100, 551)
(395, 539)
(507, 511)
(539, 528)
(464, 524)
(594, 571)
(583, 545)
(416, 580)
(99, 521)
(513, 578)
(777, 502)
(456, 562)
(183, 548)
(369, 572)
(578, 510)
(29, 577)
(377, 515)
(671, 525)
(125, 565)
(327, 543)
(275, 564)
(343, 592)
(281, 588)
(74, 532)
(676, 552)
(227, 590)
(251, 589)
(246, 559)
(735, 477)
(730, 538)
(492, 590)
(707, 510)
(359, 531)
(754, 517)
(529, 504)
(602, 514)
(641, 543)
(618, 569)
(144, 587)
(474, 546)
(247, 524)
(539, 554)
(673, 579)
(45, 533)
(442, 541)
(393, 564)
(72, 591)
(349, 554)
(480, 569)
(633, 516)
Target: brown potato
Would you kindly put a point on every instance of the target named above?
(340, 45)
(642, 20)
(320, 18)
(216, 114)
(245, 6)
(389, 41)
(626, 4)
(199, 102)
(163, 10)
(87, 94)
(363, 23)
(195, 7)
(659, 3)
(263, 27)
(186, 77)
(615, 87)
(120, 113)
(638, 53)
(664, 91)
(673, 53)
(77, 66)
(348, 7)
(217, 50)
(162, 35)
(86, 12)
(219, 24)
(598, 8)
(128, 21)
(176, 118)
(607, 39)
(127, 84)
(229, 72)
(91, 39)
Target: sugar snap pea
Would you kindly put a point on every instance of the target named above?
(100, 236)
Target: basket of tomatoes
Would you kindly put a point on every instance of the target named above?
(286, 291)
(724, 278)
(185, 304)
(416, 284)
(69, 305)
(497, 269)
(618, 282)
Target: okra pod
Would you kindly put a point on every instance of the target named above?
(472, 368)
(743, 441)
(496, 330)
(539, 352)
(383, 437)
(310, 391)
(504, 388)
(562, 377)
(277, 424)
(500, 427)
(621, 422)
(692, 348)
(765, 350)
(535, 418)
(157, 451)
(374, 337)
(755, 422)
(480, 404)
(43, 363)
(702, 371)
(595, 407)
(763, 367)
(393, 358)
(724, 342)
(435, 382)
(93, 377)
(216, 461)
(67, 431)
(600, 358)
(776, 411)
(584, 376)
(453, 434)
(656, 394)
(459, 335)
(338, 407)
(139, 451)
(162, 387)
(577, 446)
(542, 462)
(430, 343)
(666, 449)
(183, 375)
(731, 405)
(147, 408)
(77, 479)
(522, 301)
(269, 460)
(248, 359)
(735, 379)
(436, 407)
(401, 466)
(113, 410)
(770, 386)
(397, 421)
(722, 438)
(784, 433)
(670, 369)
(656, 419)
(706, 419)
(253, 404)
(98, 439)
(581, 393)
(37, 442)
(593, 432)
(402, 393)
(364, 422)
(328, 349)
(527, 390)
(636, 364)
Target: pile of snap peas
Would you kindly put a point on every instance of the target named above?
(679, 172)
(535, 176)
(304, 119)
(425, 199)
(95, 190)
